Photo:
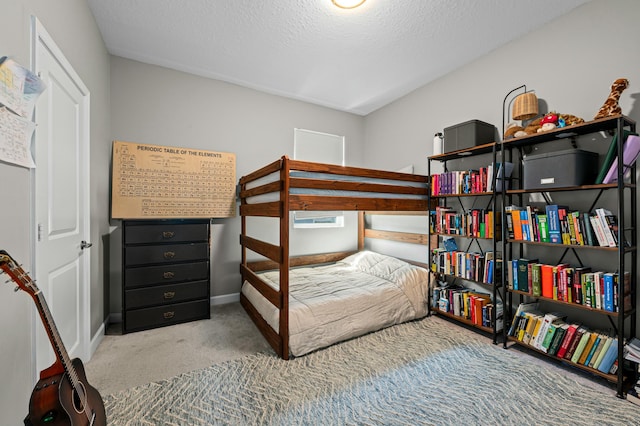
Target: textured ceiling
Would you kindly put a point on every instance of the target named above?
(352, 60)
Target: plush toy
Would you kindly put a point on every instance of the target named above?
(547, 122)
(611, 106)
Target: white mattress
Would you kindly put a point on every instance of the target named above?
(327, 304)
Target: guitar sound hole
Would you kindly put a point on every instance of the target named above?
(79, 400)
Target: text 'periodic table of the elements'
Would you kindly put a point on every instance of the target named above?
(152, 181)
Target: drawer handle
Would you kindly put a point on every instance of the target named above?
(168, 275)
(169, 254)
(168, 234)
(169, 315)
(169, 294)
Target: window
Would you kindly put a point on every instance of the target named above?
(321, 148)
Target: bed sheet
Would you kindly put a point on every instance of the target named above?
(364, 292)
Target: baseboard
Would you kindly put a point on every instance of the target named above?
(115, 317)
(225, 298)
(96, 339)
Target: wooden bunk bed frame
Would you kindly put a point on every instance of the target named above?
(278, 255)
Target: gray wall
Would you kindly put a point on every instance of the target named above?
(570, 63)
(159, 106)
(71, 25)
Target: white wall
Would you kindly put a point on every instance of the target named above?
(155, 105)
(73, 28)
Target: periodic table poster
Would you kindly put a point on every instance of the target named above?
(163, 182)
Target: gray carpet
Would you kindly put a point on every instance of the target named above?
(423, 372)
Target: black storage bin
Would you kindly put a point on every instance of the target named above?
(468, 134)
(559, 169)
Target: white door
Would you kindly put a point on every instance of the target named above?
(61, 199)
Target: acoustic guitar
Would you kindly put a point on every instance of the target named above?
(62, 396)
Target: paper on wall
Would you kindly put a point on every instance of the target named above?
(19, 87)
(15, 139)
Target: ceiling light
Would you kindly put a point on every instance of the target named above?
(348, 4)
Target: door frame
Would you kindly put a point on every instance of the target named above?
(40, 38)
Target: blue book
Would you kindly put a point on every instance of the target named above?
(553, 222)
(609, 358)
(514, 269)
(526, 229)
(608, 292)
(593, 350)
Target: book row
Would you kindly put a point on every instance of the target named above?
(468, 181)
(468, 304)
(563, 282)
(551, 334)
(558, 225)
(475, 223)
(460, 182)
(474, 266)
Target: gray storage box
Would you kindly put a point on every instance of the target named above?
(468, 134)
(558, 169)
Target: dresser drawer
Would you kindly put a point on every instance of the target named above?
(139, 319)
(165, 274)
(141, 255)
(166, 233)
(166, 294)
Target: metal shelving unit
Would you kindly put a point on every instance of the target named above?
(624, 321)
(497, 295)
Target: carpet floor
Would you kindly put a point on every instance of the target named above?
(423, 372)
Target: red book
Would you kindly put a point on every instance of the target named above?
(547, 281)
(568, 339)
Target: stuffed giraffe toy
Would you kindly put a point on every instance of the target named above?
(611, 106)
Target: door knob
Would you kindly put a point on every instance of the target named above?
(84, 244)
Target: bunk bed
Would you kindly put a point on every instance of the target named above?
(272, 286)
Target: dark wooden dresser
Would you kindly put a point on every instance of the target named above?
(165, 273)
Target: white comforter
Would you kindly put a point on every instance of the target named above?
(327, 304)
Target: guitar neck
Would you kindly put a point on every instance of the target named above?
(54, 337)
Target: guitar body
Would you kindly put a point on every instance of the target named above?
(62, 396)
(54, 401)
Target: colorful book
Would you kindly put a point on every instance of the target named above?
(580, 348)
(547, 320)
(543, 228)
(593, 350)
(523, 274)
(588, 230)
(567, 340)
(609, 358)
(546, 276)
(576, 341)
(601, 344)
(587, 348)
(601, 213)
(522, 308)
(553, 222)
(603, 352)
(549, 336)
(536, 279)
(558, 337)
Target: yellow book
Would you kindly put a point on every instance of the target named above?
(523, 330)
(536, 330)
(580, 347)
(531, 326)
(587, 348)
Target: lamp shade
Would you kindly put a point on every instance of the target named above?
(525, 106)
